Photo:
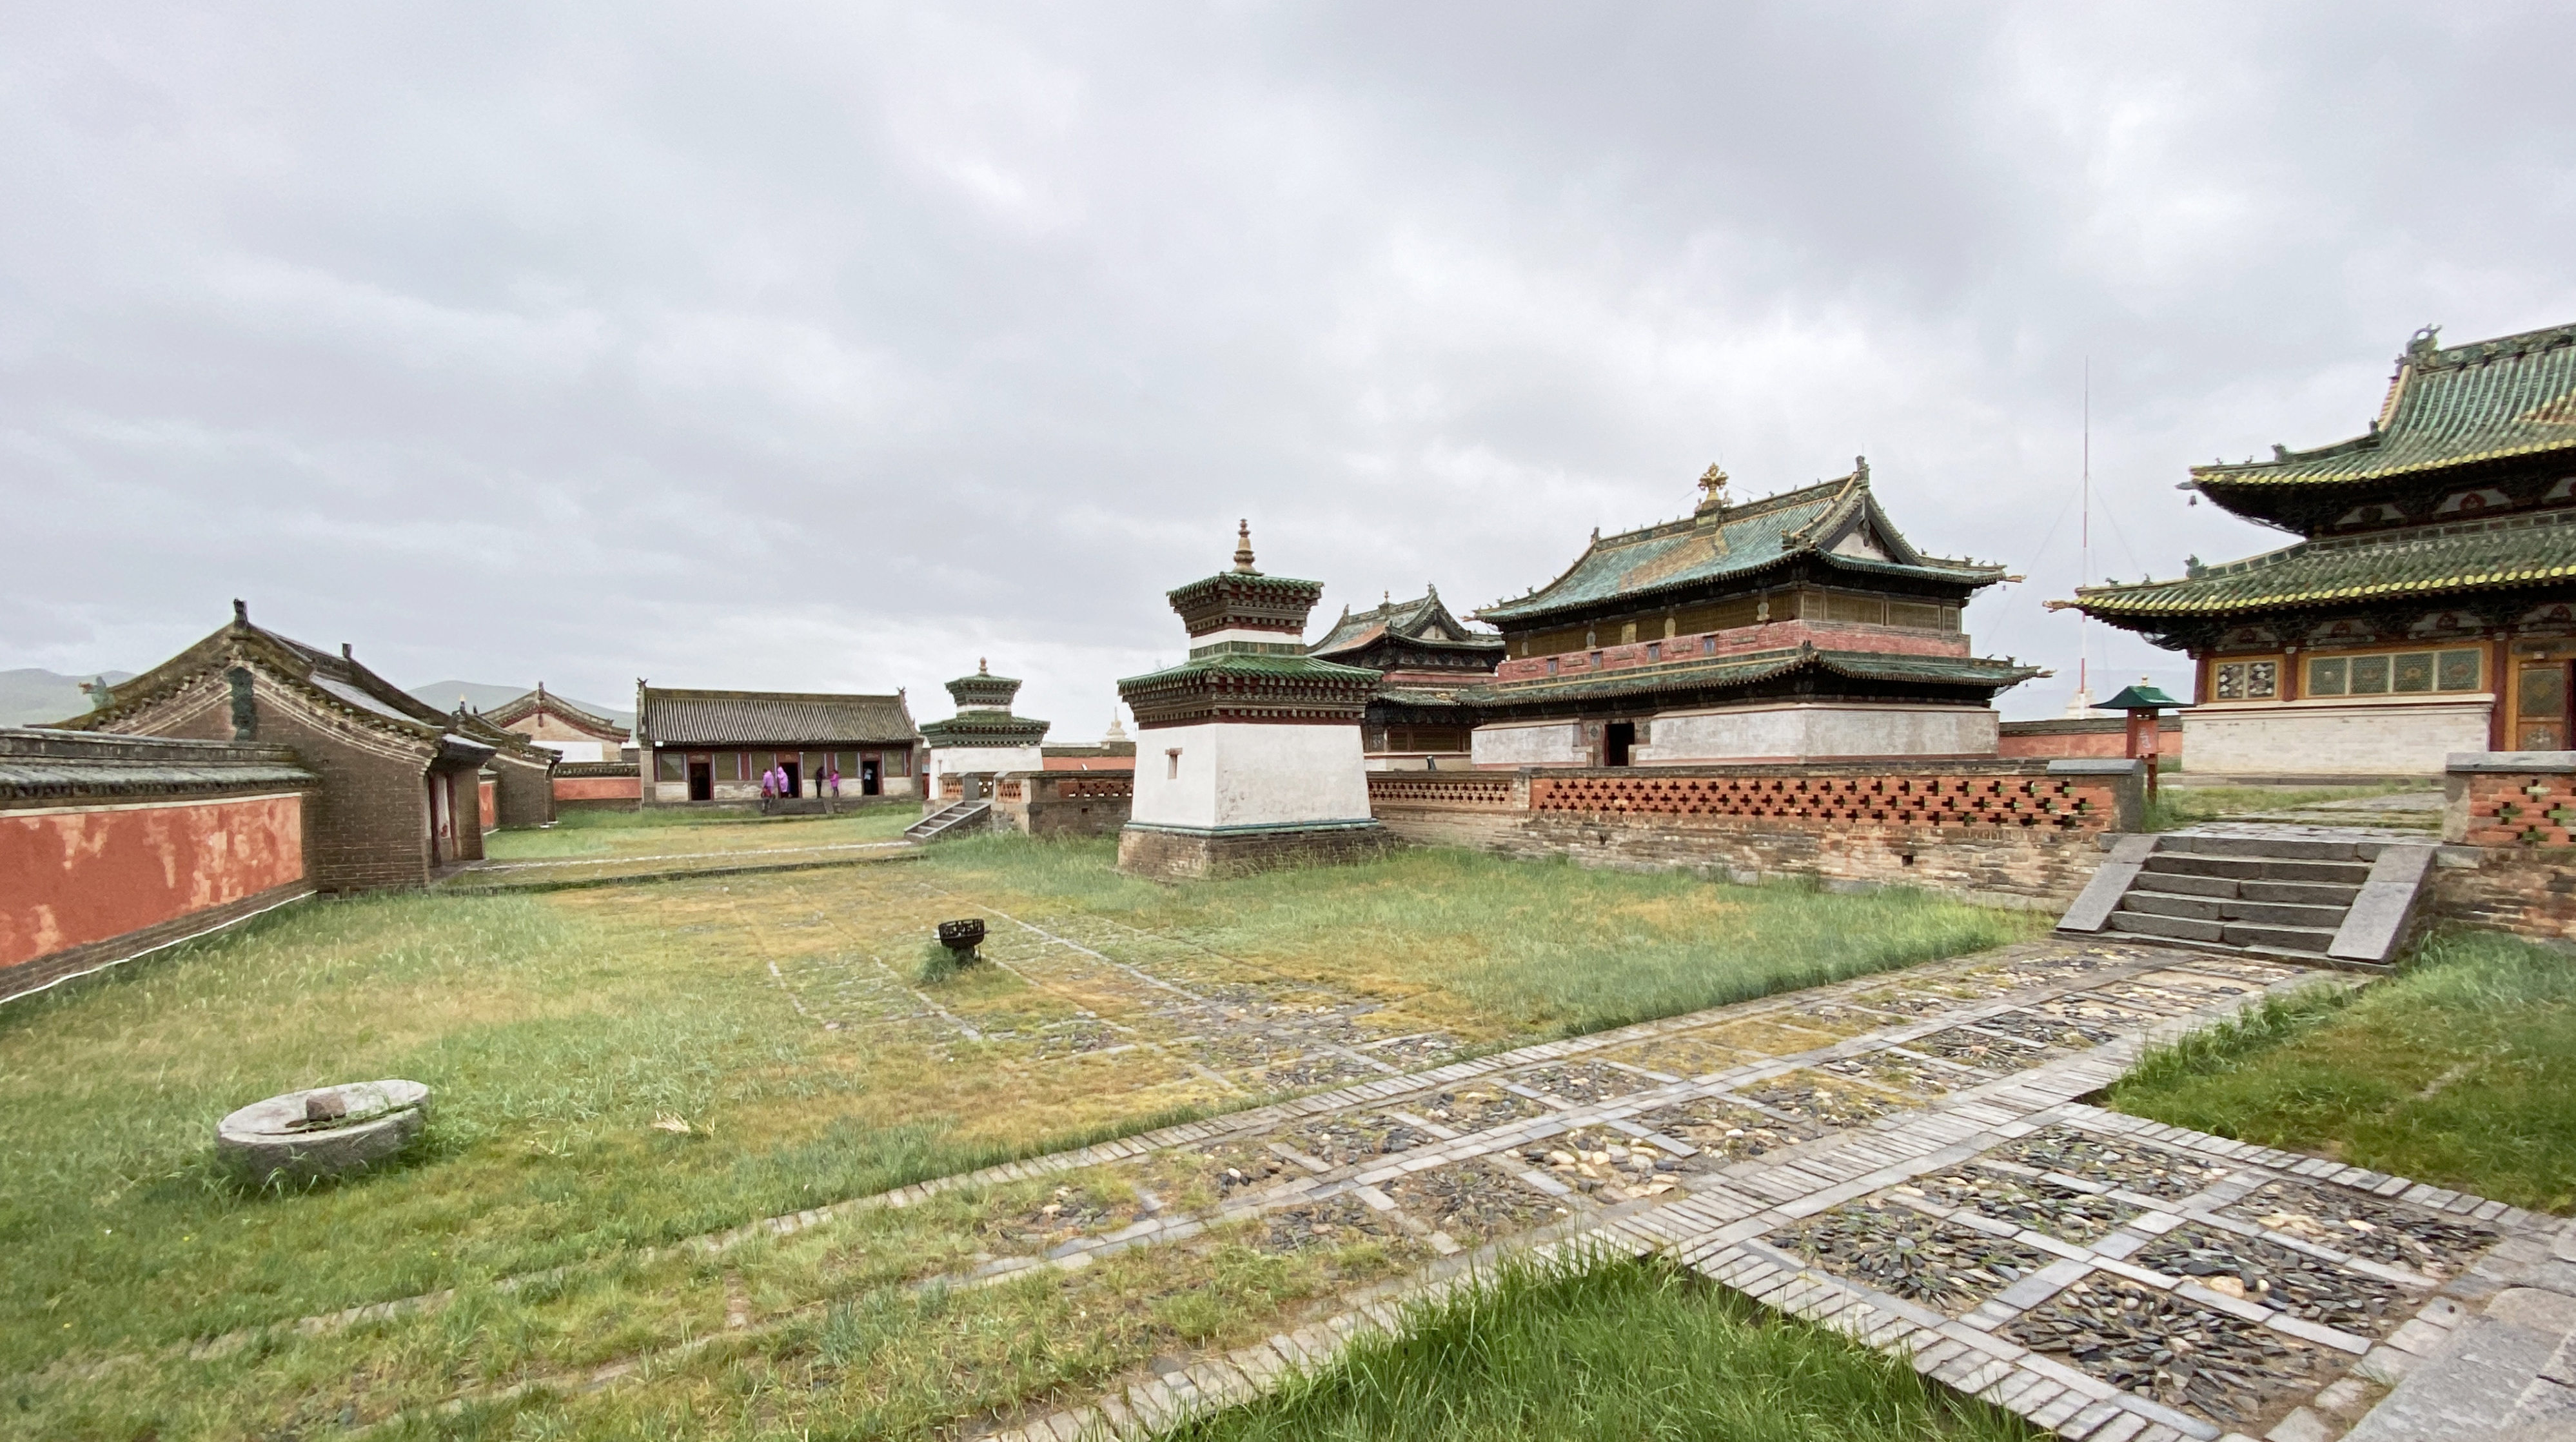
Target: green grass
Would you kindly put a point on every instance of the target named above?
(2459, 1071)
(1619, 1351)
(610, 834)
(2179, 806)
(1536, 946)
(557, 1029)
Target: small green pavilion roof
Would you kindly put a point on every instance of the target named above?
(2141, 697)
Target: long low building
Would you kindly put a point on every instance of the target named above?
(713, 746)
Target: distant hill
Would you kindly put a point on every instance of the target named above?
(443, 694)
(34, 696)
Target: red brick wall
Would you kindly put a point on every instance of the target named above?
(598, 788)
(526, 794)
(368, 824)
(77, 876)
(2111, 739)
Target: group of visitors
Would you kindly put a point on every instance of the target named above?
(778, 783)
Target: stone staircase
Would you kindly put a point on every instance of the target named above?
(2293, 896)
(956, 819)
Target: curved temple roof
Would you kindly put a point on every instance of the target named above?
(1423, 619)
(1738, 542)
(2447, 406)
(2420, 561)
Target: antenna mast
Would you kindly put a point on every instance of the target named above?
(2081, 703)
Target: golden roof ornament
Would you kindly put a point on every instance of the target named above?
(1712, 491)
(1243, 549)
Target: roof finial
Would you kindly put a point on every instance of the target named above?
(241, 611)
(1243, 549)
(1860, 469)
(981, 669)
(1712, 489)
(345, 653)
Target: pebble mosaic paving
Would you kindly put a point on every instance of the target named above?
(1907, 1162)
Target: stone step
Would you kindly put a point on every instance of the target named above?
(2180, 928)
(2276, 848)
(2256, 868)
(2299, 893)
(2219, 908)
(2307, 940)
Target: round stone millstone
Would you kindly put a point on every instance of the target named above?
(326, 1132)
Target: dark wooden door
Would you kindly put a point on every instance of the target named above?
(1616, 738)
(702, 781)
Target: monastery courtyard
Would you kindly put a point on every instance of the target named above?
(711, 1158)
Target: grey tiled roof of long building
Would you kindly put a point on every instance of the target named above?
(769, 718)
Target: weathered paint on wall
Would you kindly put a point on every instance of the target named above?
(78, 875)
(598, 788)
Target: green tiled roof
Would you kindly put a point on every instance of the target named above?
(1761, 666)
(2422, 561)
(2448, 406)
(1229, 662)
(1423, 619)
(1736, 542)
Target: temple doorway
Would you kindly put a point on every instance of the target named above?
(702, 780)
(1616, 739)
(795, 776)
(871, 776)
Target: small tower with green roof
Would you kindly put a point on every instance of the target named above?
(983, 737)
(1248, 753)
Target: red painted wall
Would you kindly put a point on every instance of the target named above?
(2112, 743)
(602, 788)
(68, 878)
(491, 804)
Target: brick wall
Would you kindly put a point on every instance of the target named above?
(367, 825)
(2025, 834)
(1064, 803)
(526, 790)
(111, 846)
(1192, 856)
(596, 785)
(2511, 819)
(2092, 736)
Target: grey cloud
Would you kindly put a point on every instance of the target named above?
(827, 346)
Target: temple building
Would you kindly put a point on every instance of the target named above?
(713, 746)
(1799, 627)
(404, 790)
(569, 731)
(2430, 604)
(983, 737)
(1424, 656)
(1248, 753)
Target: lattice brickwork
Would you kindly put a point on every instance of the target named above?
(2509, 809)
(2062, 804)
(1096, 788)
(1436, 788)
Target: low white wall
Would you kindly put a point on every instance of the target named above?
(1542, 743)
(957, 760)
(1242, 774)
(1819, 731)
(2334, 738)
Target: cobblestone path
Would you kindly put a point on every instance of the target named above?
(1904, 1158)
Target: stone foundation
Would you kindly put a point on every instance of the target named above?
(2528, 893)
(1177, 855)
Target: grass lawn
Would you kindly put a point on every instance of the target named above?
(776, 1018)
(1620, 1351)
(662, 832)
(2177, 806)
(2459, 1071)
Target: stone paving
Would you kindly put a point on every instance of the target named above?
(2108, 1278)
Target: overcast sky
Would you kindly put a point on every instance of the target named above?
(832, 346)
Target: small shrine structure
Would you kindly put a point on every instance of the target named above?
(983, 738)
(2429, 607)
(1248, 753)
(1424, 656)
(1799, 627)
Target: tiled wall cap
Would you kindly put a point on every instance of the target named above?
(2524, 761)
(2095, 766)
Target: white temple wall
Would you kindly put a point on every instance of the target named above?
(2333, 738)
(1819, 731)
(1229, 773)
(957, 760)
(1543, 743)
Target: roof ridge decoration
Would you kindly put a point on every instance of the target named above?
(1736, 541)
(1245, 599)
(2446, 406)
